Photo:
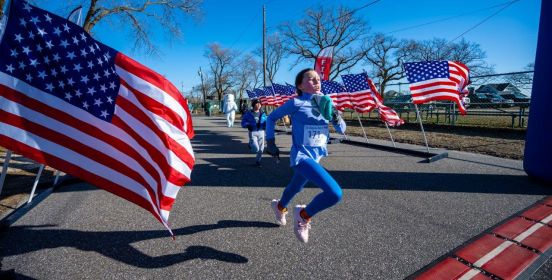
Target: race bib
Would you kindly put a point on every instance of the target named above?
(315, 135)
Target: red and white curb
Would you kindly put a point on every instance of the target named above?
(504, 252)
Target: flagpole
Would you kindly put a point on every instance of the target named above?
(5, 168)
(422, 126)
(37, 178)
(363, 131)
(390, 135)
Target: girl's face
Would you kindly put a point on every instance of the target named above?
(257, 107)
(310, 83)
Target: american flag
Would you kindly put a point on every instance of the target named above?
(73, 103)
(438, 80)
(266, 96)
(338, 93)
(387, 115)
(251, 94)
(283, 93)
(360, 93)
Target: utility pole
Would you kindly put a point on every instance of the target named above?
(264, 46)
(200, 73)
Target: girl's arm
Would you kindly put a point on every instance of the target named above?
(287, 109)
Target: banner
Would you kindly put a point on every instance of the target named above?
(323, 63)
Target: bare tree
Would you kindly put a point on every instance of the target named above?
(220, 63)
(248, 74)
(274, 54)
(327, 27)
(143, 17)
(464, 51)
(385, 55)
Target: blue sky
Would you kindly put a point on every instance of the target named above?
(508, 38)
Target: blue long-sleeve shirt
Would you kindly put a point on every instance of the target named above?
(310, 131)
(254, 121)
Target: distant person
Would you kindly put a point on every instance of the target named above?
(255, 121)
(208, 108)
(310, 112)
(229, 109)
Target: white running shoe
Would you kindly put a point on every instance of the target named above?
(279, 215)
(301, 226)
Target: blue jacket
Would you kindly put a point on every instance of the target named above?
(310, 130)
(249, 122)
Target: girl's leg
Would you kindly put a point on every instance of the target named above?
(261, 144)
(331, 191)
(253, 142)
(294, 187)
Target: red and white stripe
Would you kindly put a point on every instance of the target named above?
(387, 115)
(452, 88)
(144, 155)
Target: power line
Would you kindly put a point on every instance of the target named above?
(448, 18)
(484, 20)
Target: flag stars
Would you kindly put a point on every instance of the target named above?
(35, 20)
(57, 31)
(96, 76)
(109, 100)
(41, 32)
(106, 73)
(77, 67)
(64, 43)
(27, 7)
(22, 65)
(85, 105)
(56, 57)
(103, 88)
(85, 79)
(92, 50)
(46, 60)
(63, 69)
(49, 86)
(39, 48)
(100, 62)
(78, 93)
(9, 68)
(68, 96)
(90, 64)
(83, 52)
(48, 18)
(83, 37)
(42, 74)
(104, 114)
(54, 72)
(66, 27)
(75, 40)
(70, 81)
(98, 102)
(28, 77)
(23, 22)
(18, 38)
(112, 85)
(49, 45)
(71, 55)
(61, 84)
(14, 53)
(33, 62)
(91, 91)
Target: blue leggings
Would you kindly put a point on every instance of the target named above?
(310, 170)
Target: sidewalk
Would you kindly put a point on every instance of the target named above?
(397, 216)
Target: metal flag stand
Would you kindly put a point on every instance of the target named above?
(419, 117)
(5, 169)
(360, 122)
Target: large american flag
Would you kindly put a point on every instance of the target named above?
(438, 80)
(338, 93)
(73, 103)
(360, 94)
(387, 114)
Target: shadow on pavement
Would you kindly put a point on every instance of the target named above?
(117, 244)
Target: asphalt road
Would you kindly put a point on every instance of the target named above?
(397, 215)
